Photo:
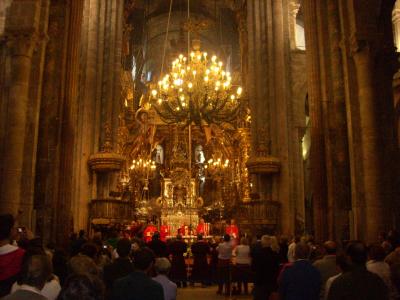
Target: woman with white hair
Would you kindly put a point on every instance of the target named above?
(162, 267)
(242, 267)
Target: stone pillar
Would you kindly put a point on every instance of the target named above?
(21, 33)
(100, 96)
(370, 148)
(317, 151)
(339, 195)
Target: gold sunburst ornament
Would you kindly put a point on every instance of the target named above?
(197, 90)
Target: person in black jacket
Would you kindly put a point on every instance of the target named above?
(265, 265)
(200, 250)
(178, 266)
(158, 246)
(121, 267)
(138, 285)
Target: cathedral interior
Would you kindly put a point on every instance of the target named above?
(281, 114)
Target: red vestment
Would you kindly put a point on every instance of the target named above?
(233, 231)
(164, 232)
(148, 233)
(201, 229)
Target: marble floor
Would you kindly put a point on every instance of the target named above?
(208, 293)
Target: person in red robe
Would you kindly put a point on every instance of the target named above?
(149, 231)
(233, 231)
(201, 228)
(164, 231)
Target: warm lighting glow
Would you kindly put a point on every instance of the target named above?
(196, 90)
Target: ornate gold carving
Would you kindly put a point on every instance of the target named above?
(263, 145)
(106, 160)
(107, 145)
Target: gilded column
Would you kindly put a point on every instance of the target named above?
(21, 34)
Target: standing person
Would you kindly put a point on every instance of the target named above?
(265, 265)
(78, 243)
(300, 281)
(358, 282)
(224, 265)
(201, 229)
(35, 272)
(149, 231)
(327, 264)
(121, 267)
(375, 264)
(138, 285)
(10, 256)
(158, 246)
(242, 267)
(162, 267)
(213, 266)
(292, 246)
(233, 231)
(164, 231)
(200, 250)
(178, 268)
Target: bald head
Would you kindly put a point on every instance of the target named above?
(330, 247)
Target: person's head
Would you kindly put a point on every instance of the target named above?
(244, 241)
(357, 253)
(81, 286)
(266, 241)
(227, 237)
(156, 236)
(162, 266)
(201, 221)
(376, 252)
(342, 262)
(232, 221)
(36, 270)
(274, 244)
(124, 247)
(302, 251)
(199, 237)
(143, 259)
(179, 237)
(81, 233)
(89, 249)
(330, 247)
(6, 226)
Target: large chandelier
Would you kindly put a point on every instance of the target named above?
(197, 90)
(216, 166)
(143, 168)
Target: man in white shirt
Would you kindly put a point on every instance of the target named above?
(162, 267)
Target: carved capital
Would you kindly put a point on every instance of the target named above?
(263, 165)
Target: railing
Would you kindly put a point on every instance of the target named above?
(111, 209)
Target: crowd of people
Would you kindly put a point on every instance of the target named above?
(131, 268)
